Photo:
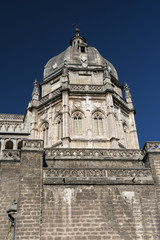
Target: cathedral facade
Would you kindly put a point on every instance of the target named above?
(71, 167)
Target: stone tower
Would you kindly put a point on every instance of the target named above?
(71, 167)
(81, 102)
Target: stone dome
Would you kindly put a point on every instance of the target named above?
(72, 55)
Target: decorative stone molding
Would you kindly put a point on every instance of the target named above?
(97, 105)
(10, 154)
(97, 153)
(77, 104)
(11, 126)
(32, 144)
(132, 173)
(77, 87)
(92, 88)
(151, 147)
(95, 88)
(11, 117)
(129, 172)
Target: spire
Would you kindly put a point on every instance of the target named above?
(127, 91)
(35, 93)
(128, 94)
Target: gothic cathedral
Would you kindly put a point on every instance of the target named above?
(71, 167)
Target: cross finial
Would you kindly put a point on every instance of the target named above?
(76, 29)
(76, 24)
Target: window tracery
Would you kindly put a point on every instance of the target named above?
(77, 123)
(98, 123)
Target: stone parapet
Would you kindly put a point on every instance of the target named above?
(95, 166)
(11, 117)
(9, 154)
(94, 153)
(151, 147)
(31, 144)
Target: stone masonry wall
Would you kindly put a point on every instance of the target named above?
(9, 191)
(28, 220)
(99, 212)
(81, 194)
(154, 161)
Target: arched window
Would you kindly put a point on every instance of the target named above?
(98, 124)
(59, 127)
(77, 123)
(45, 128)
(9, 145)
(19, 145)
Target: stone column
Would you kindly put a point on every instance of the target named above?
(65, 105)
(28, 221)
(89, 127)
(2, 144)
(65, 112)
(111, 121)
(50, 133)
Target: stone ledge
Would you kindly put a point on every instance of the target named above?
(96, 172)
(97, 181)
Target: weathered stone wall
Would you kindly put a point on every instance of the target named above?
(75, 194)
(28, 220)
(152, 157)
(9, 191)
(99, 212)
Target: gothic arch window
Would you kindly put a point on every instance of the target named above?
(9, 145)
(77, 123)
(45, 129)
(59, 127)
(98, 123)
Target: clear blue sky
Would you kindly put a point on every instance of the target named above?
(127, 33)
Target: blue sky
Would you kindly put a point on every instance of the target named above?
(127, 33)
